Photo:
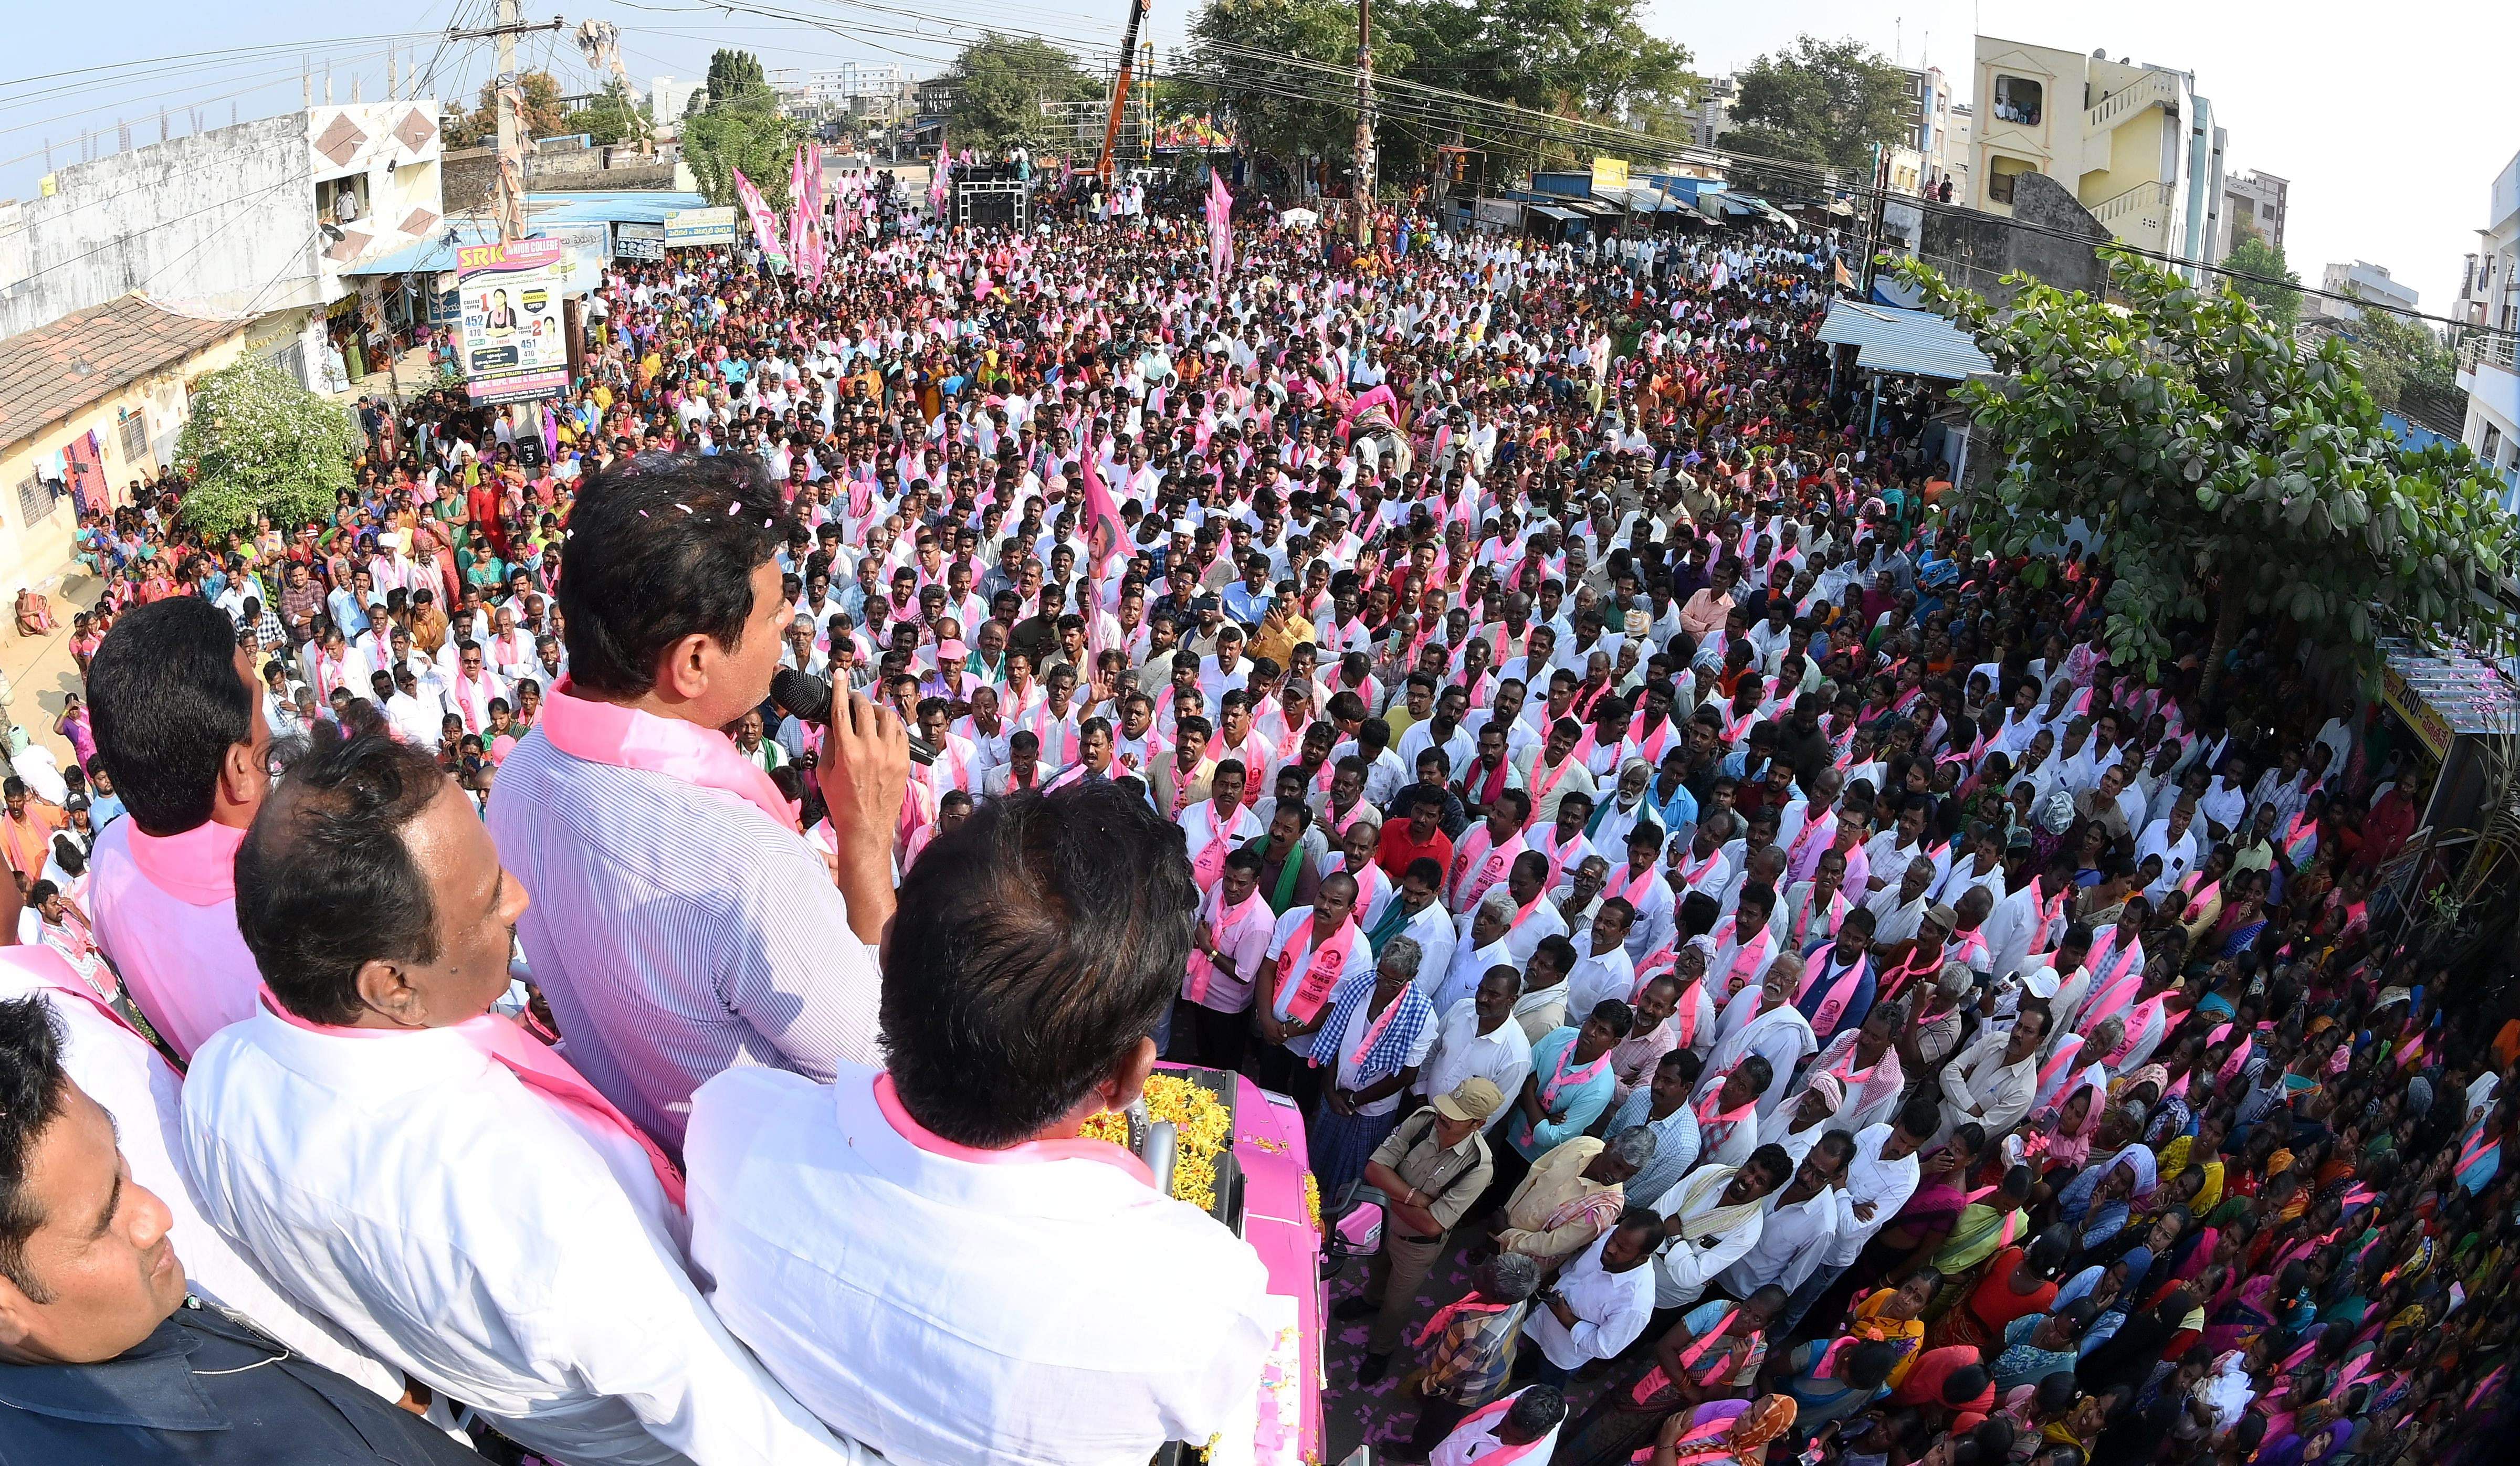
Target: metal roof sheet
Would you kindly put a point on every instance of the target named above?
(1891, 339)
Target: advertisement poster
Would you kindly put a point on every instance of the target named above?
(689, 228)
(631, 240)
(514, 349)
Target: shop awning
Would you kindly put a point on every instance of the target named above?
(1914, 342)
(1553, 211)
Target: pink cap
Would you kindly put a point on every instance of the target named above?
(950, 648)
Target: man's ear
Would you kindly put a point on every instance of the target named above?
(387, 989)
(1127, 1080)
(19, 1318)
(242, 778)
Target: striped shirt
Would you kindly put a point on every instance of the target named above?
(678, 931)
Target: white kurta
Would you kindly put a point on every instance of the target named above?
(484, 1240)
(1780, 1035)
(945, 1310)
(145, 1096)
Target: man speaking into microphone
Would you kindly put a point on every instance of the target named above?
(680, 924)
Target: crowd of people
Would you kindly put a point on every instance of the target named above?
(1787, 992)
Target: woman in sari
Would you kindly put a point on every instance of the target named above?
(2100, 1201)
(2015, 1283)
(1727, 1431)
(1926, 1222)
(1715, 1350)
(1991, 1222)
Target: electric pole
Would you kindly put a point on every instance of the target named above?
(511, 156)
(1364, 123)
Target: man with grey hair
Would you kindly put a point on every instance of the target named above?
(1573, 1194)
(1376, 1036)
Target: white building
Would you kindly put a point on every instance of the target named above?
(2361, 278)
(2490, 297)
(254, 221)
(2132, 141)
(667, 98)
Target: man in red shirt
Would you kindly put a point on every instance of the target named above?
(1420, 836)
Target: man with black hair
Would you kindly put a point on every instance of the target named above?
(178, 718)
(430, 1176)
(103, 1356)
(901, 1247)
(681, 923)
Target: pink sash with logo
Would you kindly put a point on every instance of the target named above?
(1298, 1002)
(1656, 1381)
(605, 733)
(1832, 1007)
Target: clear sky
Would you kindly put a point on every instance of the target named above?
(2390, 122)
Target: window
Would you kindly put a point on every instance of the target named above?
(135, 441)
(2000, 175)
(2489, 450)
(2019, 99)
(291, 359)
(34, 502)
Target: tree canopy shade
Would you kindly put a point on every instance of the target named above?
(1000, 83)
(1572, 60)
(2228, 472)
(739, 127)
(259, 443)
(2261, 278)
(2398, 352)
(1820, 102)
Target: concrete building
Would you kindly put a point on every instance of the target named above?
(1937, 153)
(258, 221)
(90, 403)
(2253, 202)
(667, 98)
(2362, 277)
(1713, 114)
(2133, 142)
(2490, 297)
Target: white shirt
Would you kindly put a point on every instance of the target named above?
(1462, 1051)
(1476, 1443)
(145, 1096)
(1598, 975)
(1683, 1269)
(933, 1308)
(1792, 1241)
(484, 1240)
(1885, 1185)
(1610, 1309)
(1980, 1078)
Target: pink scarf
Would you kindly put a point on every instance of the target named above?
(536, 1065)
(605, 733)
(1202, 968)
(1298, 1002)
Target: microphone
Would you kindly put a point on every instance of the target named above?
(803, 694)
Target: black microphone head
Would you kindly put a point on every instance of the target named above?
(801, 694)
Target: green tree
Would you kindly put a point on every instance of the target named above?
(2230, 472)
(1248, 53)
(740, 127)
(2264, 280)
(734, 73)
(2397, 352)
(611, 118)
(259, 443)
(1000, 83)
(1820, 102)
(1570, 60)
